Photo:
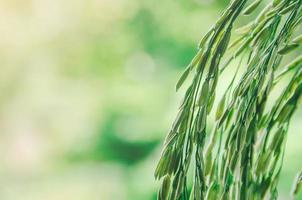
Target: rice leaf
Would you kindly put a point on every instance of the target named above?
(220, 107)
(298, 185)
(204, 94)
(288, 8)
(288, 48)
(298, 39)
(183, 78)
(252, 7)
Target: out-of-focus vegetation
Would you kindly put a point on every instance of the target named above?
(87, 95)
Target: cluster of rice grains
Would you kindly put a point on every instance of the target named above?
(241, 157)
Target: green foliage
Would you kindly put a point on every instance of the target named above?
(242, 157)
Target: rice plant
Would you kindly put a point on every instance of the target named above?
(241, 156)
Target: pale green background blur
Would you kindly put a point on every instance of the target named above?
(87, 95)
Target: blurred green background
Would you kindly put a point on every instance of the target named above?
(87, 95)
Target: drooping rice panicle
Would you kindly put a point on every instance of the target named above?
(242, 156)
